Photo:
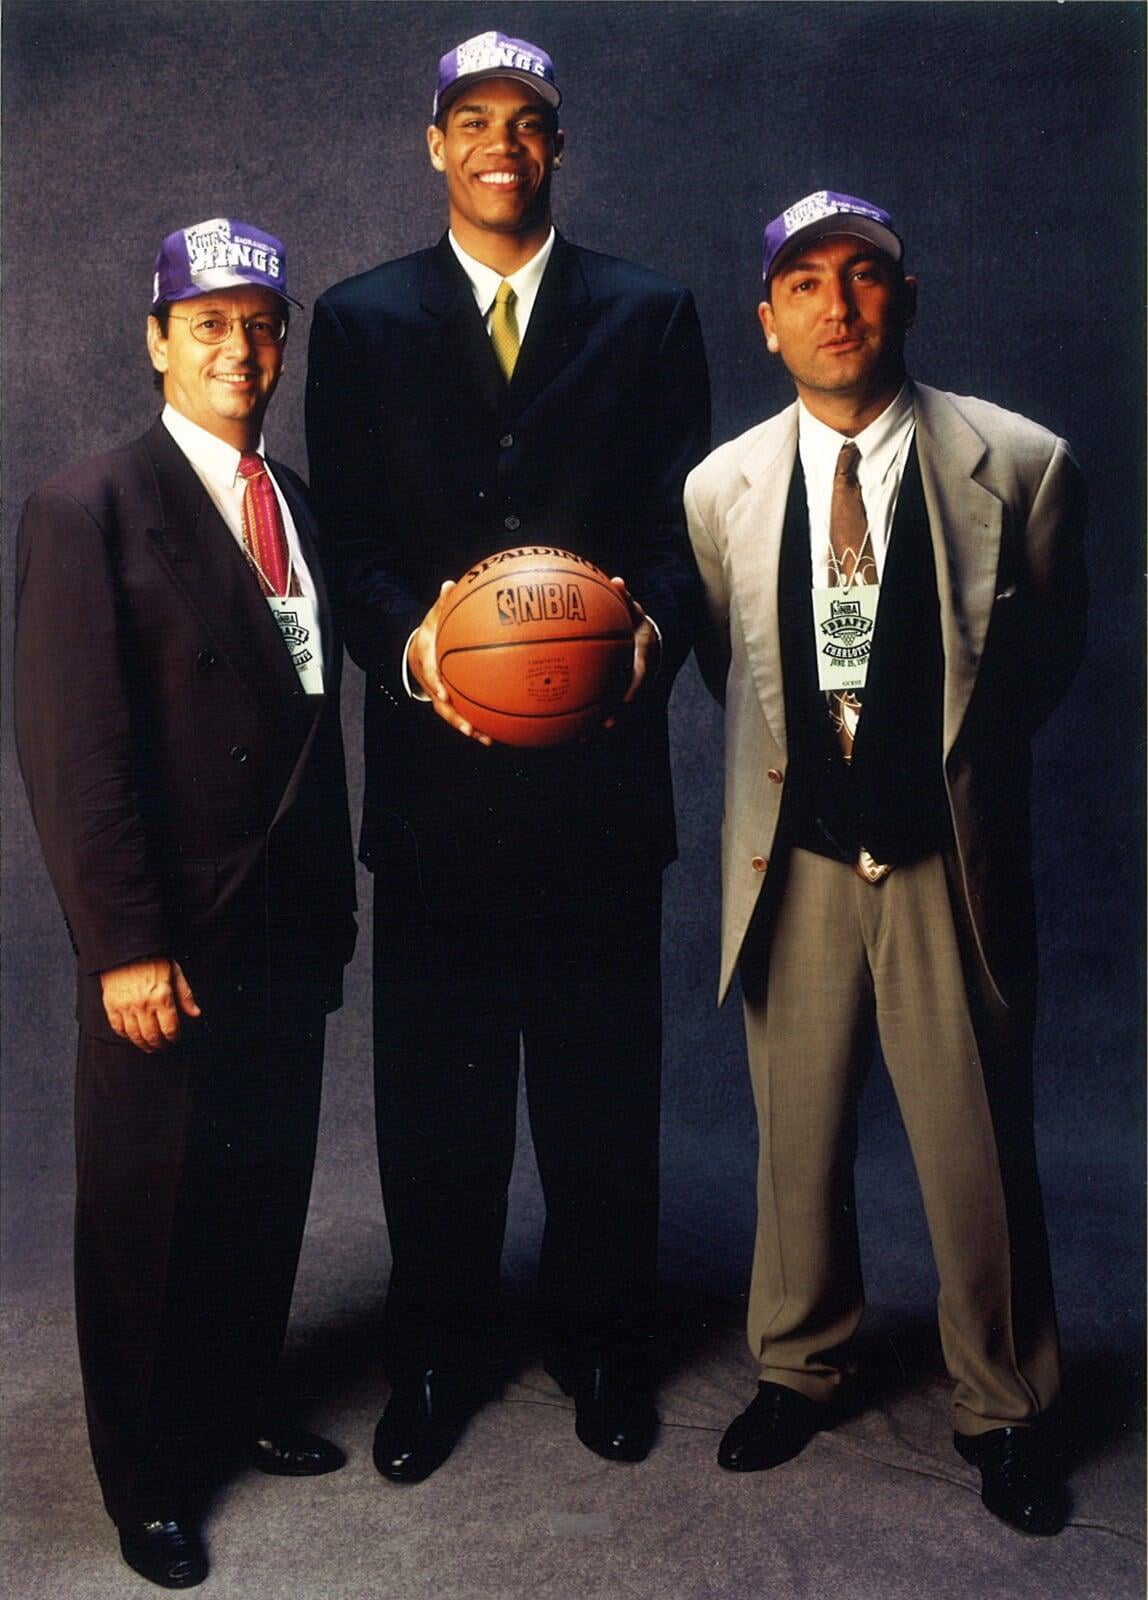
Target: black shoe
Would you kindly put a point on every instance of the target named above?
(614, 1411)
(423, 1421)
(1019, 1484)
(776, 1426)
(293, 1453)
(168, 1553)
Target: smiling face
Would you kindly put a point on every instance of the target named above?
(497, 146)
(226, 387)
(837, 315)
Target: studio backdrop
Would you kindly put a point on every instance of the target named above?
(1004, 138)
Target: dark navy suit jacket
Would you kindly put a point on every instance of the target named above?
(424, 461)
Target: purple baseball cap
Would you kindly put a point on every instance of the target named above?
(219, 254)
(823, 213)
(494, 55)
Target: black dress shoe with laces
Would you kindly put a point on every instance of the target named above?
(1019, 1483)
(294, 1453)
(614, 1411)
(423, 1421)
(776, 1426)
(168, 1553)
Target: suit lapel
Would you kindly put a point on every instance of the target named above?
(465, 358)
(557, 330)
(205, 564)
(965, 524)
(305, 528)
(754, 527)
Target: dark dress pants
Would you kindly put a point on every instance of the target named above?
(193, 1177)
(574, 976)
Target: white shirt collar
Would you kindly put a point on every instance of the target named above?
(879, 443)
(884, 447)
(213, 457)
(484, 281)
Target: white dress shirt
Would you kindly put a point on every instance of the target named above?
(485, 282)
(884, 447)
(216, 465)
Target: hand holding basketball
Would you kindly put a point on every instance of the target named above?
(422, 662)
(535, 647)
(647, 645)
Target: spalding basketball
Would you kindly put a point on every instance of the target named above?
(535, 646)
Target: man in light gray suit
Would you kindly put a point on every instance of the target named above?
(876, 859)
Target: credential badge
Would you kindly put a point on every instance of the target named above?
(848, 631)
(295, 635)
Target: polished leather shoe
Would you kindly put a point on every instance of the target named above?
(423, 1421)
(614, 1411)
(168, 1553)
(776, 1426)
(1018, 1482)
(294, 1453)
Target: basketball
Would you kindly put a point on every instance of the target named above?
(535, 646)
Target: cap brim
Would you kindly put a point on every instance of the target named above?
(545, 91)
(847, 223)
(221, 279)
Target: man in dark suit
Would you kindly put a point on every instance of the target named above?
(507, 388)
(876, 860)
(177, 717)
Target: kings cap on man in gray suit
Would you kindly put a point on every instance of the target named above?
(876, 857)
(177, 720)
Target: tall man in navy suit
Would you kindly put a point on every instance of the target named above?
(507, 388)
(177, 718)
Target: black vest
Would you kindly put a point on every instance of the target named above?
(890, 800)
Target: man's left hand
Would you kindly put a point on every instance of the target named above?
(647, 647)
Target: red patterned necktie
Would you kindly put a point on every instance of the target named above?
(263, 531)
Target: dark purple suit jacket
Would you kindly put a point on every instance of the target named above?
(190, 799)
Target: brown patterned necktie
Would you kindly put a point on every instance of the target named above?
(504, 329)
(851, 562)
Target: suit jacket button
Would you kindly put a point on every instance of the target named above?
(511, 523)
(506, 441)
(773, 775)
(205, 658)
(237, 752)
(759, 863)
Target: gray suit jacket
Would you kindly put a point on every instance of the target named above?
(1006, 511)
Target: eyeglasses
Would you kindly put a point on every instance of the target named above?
(212, 327)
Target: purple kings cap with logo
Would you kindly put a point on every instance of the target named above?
(219, 254)
(494, 55)
(823, 213)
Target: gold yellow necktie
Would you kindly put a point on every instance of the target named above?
(504, 329)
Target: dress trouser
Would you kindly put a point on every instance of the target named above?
(193, 1177)
(573, 979)
(849, 961)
